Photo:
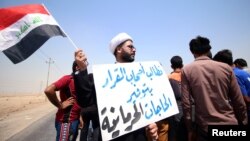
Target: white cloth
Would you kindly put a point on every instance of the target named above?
(117, 40)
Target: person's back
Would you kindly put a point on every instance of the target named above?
(210, 88)
(175, 81)
(176, 75)
(215, 91)
(243, 78)
(176, 124)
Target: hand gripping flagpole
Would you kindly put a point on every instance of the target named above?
(86, 62)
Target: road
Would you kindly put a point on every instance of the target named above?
(40, 130)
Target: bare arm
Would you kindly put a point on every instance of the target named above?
(50, 92)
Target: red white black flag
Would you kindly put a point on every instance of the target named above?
(24, 29)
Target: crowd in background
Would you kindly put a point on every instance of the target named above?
(212, 90)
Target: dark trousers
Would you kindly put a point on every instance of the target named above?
(90, 133)
(177, 130)
(200, 134)
(85, 130)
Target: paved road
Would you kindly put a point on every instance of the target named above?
(40, 130)
(36, 124)
(17, 121)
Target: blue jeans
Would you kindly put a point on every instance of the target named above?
(73, 129)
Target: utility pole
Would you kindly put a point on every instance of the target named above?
(49, 62)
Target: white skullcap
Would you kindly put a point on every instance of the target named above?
(117, 40)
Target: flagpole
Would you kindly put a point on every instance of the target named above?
(86, 62)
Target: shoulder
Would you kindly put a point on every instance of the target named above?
(65, 79)
(241, 73)
(174, 83)
(189, 67)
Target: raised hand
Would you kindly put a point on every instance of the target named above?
(81, 59)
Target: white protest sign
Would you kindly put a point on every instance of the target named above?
(131, 96)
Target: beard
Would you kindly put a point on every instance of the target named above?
(128, 57)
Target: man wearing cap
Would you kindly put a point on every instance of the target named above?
(121, 46)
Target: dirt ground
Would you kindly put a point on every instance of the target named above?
(17, 112)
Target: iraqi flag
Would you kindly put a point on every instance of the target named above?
(24, 29)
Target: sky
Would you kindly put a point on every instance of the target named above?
(160, 29)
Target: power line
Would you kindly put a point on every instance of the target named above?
(45, 56)
(57, 67)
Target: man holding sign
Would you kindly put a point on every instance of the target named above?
(122, 47)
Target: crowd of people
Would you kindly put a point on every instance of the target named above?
(212, 90)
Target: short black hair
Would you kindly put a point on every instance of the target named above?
(176, 62)
(199, 45)
(240, 62)
(224, 56)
